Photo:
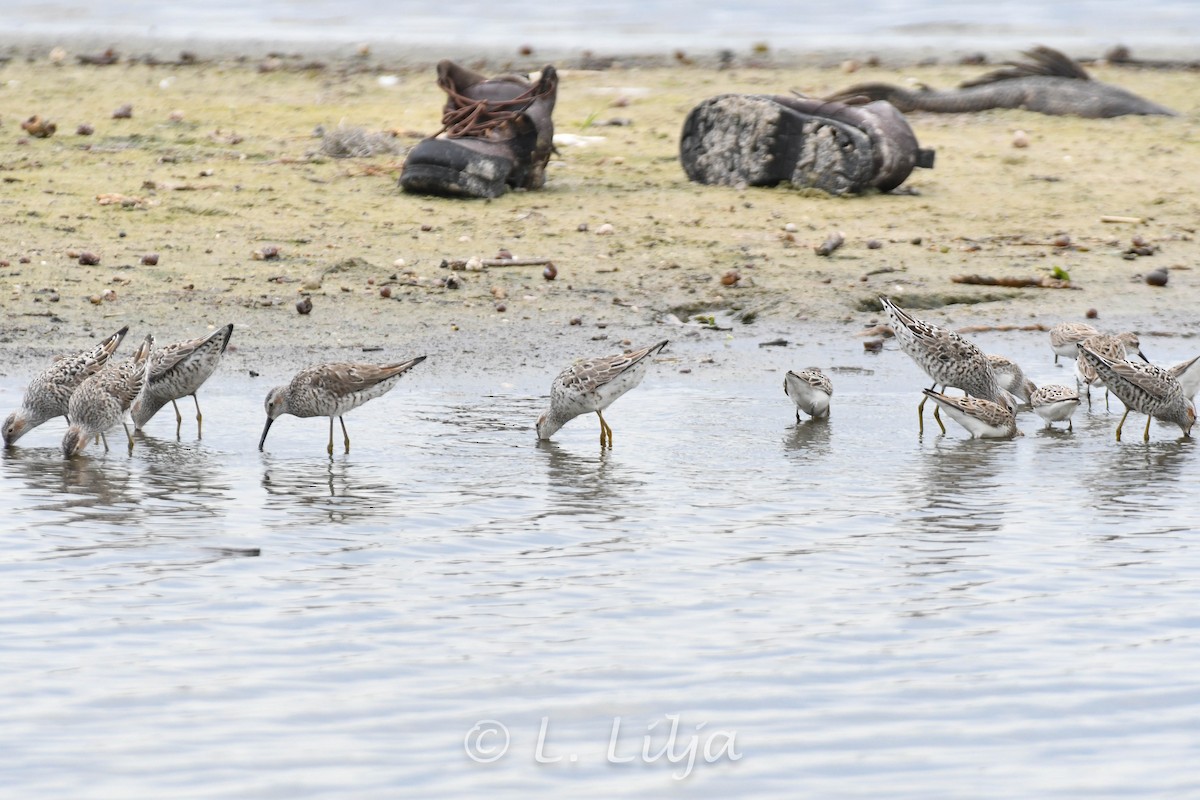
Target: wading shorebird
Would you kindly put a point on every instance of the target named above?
(1054, 403)
(176, 371)
(101, 401)
(50, 391)
(592, 385)
(1146, 388)
(810, 389)
(947, 358)
(332, 390)
(982, 418)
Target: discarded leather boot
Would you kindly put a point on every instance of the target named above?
(496, 133)
(764, 140)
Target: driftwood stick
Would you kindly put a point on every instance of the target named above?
(515, 262)
(1112, 218)
(1042, 282)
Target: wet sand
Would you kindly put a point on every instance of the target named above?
(220, 165)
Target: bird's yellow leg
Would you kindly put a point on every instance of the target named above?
(104, 439)
(921, 415)
(345, 435)
(1146, 435)
(199, 416)
(1122, 422)
(128, 435)
(605, 430)
(329, 447)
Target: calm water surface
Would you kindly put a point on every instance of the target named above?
(833, 610)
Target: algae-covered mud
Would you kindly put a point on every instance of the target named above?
(181, 195)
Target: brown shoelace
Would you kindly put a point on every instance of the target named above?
(478, 117)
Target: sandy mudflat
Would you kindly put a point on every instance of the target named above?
(238, 169)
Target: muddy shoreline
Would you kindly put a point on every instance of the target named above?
(220, 165)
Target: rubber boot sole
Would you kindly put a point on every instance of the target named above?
(751, 140)
(445, 167)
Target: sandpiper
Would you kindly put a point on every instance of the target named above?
(1146, 388)
(983, 418)
(101, 401)
(1011, 378)
(946, 357)
(592, 385)
(332, 390)
(1114, 347)
(176, 371)
(1065, 335)
(1054, 403)
(810, 389)
(49, 392)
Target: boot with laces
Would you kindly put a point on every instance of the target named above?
(497, 133)
(764, 140)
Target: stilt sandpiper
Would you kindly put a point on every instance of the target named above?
(592, 385)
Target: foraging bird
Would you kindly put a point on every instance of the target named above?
(176, 371)
(1065, 335)
(49, 392)
(1054, 403)
(946, 357)
(101, 401)
(1011, 378)
(593, 385)
(810, 389)
(984, 419)
(332, 390)
(1188, 375)
(1116, 347)
(1145, 388)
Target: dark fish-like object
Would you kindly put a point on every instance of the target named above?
(1049, 83)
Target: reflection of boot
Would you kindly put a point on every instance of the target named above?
(761, 140)
(496, 133)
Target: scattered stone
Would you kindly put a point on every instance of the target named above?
(1092, 313)
(874, 244)
(39, 128)
(550, 272)
(605, 230)
(268, 253)
(89, 259)
(1020, 139)
(385, 292)
(730, 278)
(84, 130)
(873, 345)
(124, 111)
(1157, 277)
(150, 259)
(304, 305)
(576, 321)
(831, 243)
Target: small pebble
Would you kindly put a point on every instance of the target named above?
(576, 321)
(124, 111)
(550, 272)
(873, 345)
(89, 259)
(874, 244)
(1157, 277)
(605, 230)
(1092, 313)
(730, 278)
(304, 305)
(84, 130)
(1020, 139)
(176, 116)
(426, 227)
(1062, 240)
(150, 259)
(790, 227)
(582, 227)
(501, 308)
(385, 291)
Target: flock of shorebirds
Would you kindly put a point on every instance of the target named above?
(95, 392)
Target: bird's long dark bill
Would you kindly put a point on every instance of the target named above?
(266, 428)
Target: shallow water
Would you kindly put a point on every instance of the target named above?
(633, 27)
(833, 610)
